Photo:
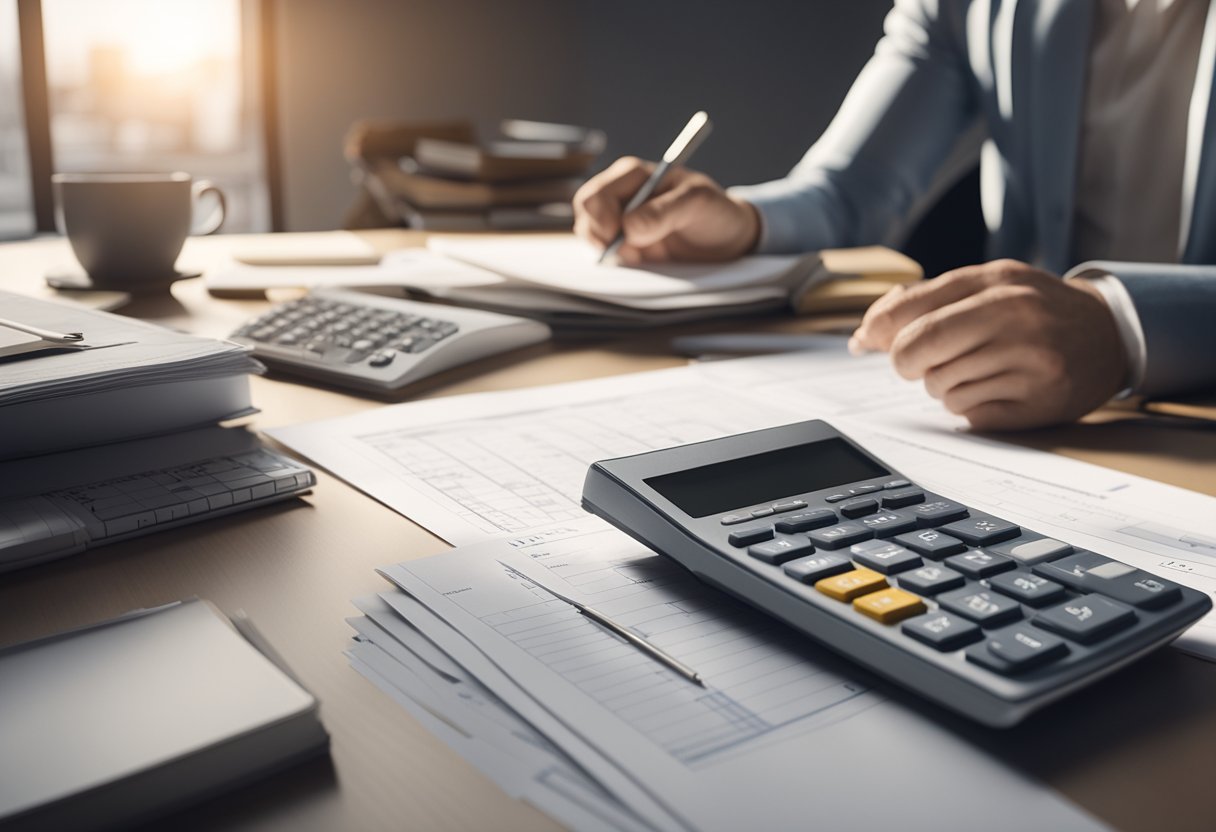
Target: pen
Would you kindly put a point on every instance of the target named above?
(656, 653)
(44, 334)
(681, 149)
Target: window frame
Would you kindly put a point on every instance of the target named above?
(36, 102)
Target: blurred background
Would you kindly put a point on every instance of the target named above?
(258, 94)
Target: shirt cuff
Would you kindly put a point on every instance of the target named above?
(1127, 322)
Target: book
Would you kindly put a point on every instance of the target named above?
(401, 182)
(120, 722)
(502, 161)
(127, 379)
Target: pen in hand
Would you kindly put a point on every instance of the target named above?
(690, 138)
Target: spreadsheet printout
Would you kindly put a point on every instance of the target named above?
(471, 467)
(778, 718)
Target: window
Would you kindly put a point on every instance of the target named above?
(148, 86)
(16, 200)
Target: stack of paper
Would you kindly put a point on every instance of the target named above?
(558, 279)
(125, 379)
(575, 720)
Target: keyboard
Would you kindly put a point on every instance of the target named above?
(379, 344)
(64, 521)
(978, 613)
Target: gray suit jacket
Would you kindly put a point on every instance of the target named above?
(1019, 66)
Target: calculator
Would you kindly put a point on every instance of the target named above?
(977, 613)
(376, 343)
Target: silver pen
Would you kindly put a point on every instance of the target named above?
(44, 334)
(656, 653)
(690, 138)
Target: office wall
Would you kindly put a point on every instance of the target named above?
(771, 74)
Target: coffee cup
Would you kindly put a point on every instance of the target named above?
(127, 229)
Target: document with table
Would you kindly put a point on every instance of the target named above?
(519, 462)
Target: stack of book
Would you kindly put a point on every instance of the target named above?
(441, 177)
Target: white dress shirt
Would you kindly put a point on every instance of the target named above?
(1128, 203)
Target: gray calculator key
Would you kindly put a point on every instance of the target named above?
(859, 508)
(746, 537)
(781, 550)
(903, 497)
(1074, 570)
(840, 535)
(788, 505)
(1140, 589)
(980, 564)
(984, 608)
(863, 489)
(885, 557)
(938, 512)
(804, 521)
(1017, 648)
(1086, 619)
(732, 519)
(813, 568)
(896, 484)
(766, 511)
(888, 523)
(931, 579)
(1027, 588)
(941, 630)
(1034, 551)
(982, 529)
(931, 543)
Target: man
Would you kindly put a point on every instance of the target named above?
(1101, 156)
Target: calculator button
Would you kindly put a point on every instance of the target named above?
(746, 537)
(841, 535)
(884, 557)
(806, 520)
(978, 564)
(889, 523)
(780, 550)
(931, 579)
(863, 489)
(1086, 619)
(1031, 552)
(762, 512)
(788, 505)
(984, 608)
(982, 530)
(836, 498)
(942, 630)
(858, 508)
(849, 585)
(896, 484)
(1027, 588)
(904, 497)
(889, 606)
(1140, 589)
(1073, 570)
(931, 543)
(382, 358)
(938, 512)
(813, 568)
(732, 519)
(1017, 648)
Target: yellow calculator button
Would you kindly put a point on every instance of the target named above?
(890, 605)
(849, 585)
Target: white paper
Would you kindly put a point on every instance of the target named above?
(471, 467)
(781, 731)
(569, 265)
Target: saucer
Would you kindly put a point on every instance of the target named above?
(78, 281)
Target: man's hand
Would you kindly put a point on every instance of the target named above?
(1005, 345)
(689, 217)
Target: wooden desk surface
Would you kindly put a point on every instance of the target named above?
(1137, 750)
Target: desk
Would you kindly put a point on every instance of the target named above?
(1138, 750)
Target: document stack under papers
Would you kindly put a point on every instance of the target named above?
(124, 379)
(559, 280)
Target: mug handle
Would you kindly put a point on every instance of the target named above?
(216, 219)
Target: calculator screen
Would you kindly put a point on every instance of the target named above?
(713, 489)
